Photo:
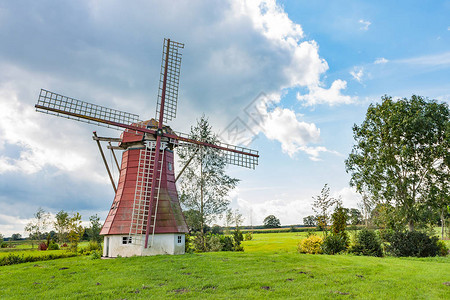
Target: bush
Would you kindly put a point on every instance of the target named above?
(443, 250)
(42, 246)
(367, 243)
(227, 243)
(248, 236)
(4, 245)
(13, 259)
(412, 243)
(207, 243)
(53, 246)
(312, 245)
(335, 243)
(238, 238)
(187, 244)
(96, 254)
(93, 246)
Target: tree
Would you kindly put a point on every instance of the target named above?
(322, 205)
(75, 231)
(36, 227)
(193, 220)
(401, 153)
(94, 230)
(310, 221)
(204, 185)
(1, 238)
(272, 222)
(355, 216)
(339, 220)
(61, 223)
(16, 236)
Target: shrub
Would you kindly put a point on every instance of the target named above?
(213, 243)
(187, 244)
(96, 254)
(93, 246)
(227, 243)
(64, 245)
(248, 236)
(443, 250)
(367, 243)
(238, 238)
(4, 245)
(312, 245)
(53, 246)
(13, 259)
(335, 243)
(42, 246)
(412, 243)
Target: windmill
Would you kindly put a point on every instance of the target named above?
(145, 217)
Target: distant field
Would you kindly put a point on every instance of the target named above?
(269, 268)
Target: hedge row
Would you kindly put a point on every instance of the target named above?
(13, 259)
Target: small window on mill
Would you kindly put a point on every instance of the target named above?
(169, 166)
(126, 240)
(179, 239)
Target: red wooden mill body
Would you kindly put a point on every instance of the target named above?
(169, 218)
(145, 217)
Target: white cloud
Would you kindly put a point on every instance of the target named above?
(440, 60)
(331, 96)
(380, 60)
(350, 198)
(364, 24)
(357, 73)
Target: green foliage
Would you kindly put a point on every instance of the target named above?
(248, 236)
(53, 246)
(401, 156)
(443, 249)
(216, 229)
(13, 259)
(94, 231)
(4, 245)
(187, 243)
(310, 221)
(367, 243)
(355, 216)
(227, 243)
(94, 246)
(272, 222)
(16, 236)
(37, 226)
(96, 254)
(311, 245)
(207, 243)
(412, 243)
(339, 221)
(204, 184)
(1, 238)
(323, 203)
(334, 244)
(75, 231)
(61, 223)
(238, 238)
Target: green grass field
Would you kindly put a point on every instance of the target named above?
(270, 267)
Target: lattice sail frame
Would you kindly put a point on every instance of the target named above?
(69, 108)
(172, 81)
(234, 155)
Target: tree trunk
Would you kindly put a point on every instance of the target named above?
(442, 224)
(201, 200)
(411, 225)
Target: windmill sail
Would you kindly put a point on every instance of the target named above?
(168, 89)
(70, 108)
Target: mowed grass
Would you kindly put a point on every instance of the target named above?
(269, 268)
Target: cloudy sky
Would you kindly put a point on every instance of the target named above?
(291, 76)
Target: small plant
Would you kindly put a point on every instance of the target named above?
(93, 246)
(248, 236)
(334, 244)
(238, 238)
(310, 232)
(53, 246)
(227, 243)
(42, 246)
(96, 255)
(311, 245)
(443, 249)
(367, 243)
(412, 243)
(64, 245)
(4, 245)
(187, 243)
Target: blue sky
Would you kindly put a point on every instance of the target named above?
(319, 63)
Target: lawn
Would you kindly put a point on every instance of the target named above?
(269, 268)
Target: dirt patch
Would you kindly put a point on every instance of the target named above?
(186, 273)
(360, 276)
(340, 293)
(181, 291)
(63, 268)
(289, 279)
(447, 283)
(265, 287)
